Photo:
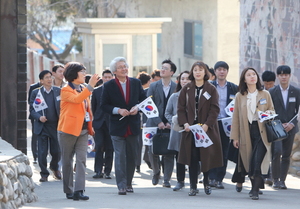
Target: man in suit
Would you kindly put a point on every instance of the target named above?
(45, 125)
(103, 143)
(161, 91)
(34, 144)
(58, 76)
(286, 100)
(227, 91)
(119, 99)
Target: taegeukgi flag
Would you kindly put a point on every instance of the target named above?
(148, 133)
(39, 102)
(201, 138)
(148, 107)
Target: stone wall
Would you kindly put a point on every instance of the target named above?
(16, 184)
(295, 158)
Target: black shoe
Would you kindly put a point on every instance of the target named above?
(276, 184)
(78, 195)
(268, 181)
(43, 179)
(129, 189)
(179, 186)
(255, 195)
(238, 189)
(212, 183)
(166, 184)
(219, 185)
(282, 185)
(56, 174)
(138, 169)
(98, 175)
(193, 192)
(107, 176)
(69, 196)
(122, 192)
(155, 178)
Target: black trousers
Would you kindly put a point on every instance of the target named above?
(47, 139)
(281, 152)
(180, 170)
(103, 146)
(219, 173)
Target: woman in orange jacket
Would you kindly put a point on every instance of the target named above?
(75, 123)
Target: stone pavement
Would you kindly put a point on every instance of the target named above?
(103, 193)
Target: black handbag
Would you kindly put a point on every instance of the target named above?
(275, 130)
(160, 142)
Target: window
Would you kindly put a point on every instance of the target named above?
(193, 39)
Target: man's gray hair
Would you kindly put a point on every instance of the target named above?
(113, 63)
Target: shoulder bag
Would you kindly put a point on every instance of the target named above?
(275, 130)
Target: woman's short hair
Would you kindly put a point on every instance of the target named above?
(243, 86)
(72, 69)
(178, 86)
(113, 63)
(201, 65)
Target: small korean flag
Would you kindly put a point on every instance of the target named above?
(200, 137)
(226, 122)
(263, 116)
(229, 108)
(39, 102)
(91, 144)
(149, 108)
(148, 133)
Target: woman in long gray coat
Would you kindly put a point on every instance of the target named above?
(198, 103)
(247, 133)
(175, 136)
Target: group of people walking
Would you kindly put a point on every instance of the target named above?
(114, 121)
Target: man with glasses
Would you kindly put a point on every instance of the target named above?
(45, 124)
(161, 91)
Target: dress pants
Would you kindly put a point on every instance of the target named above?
(168, 164)
(34, 142)
(125, 159)
(281, 152)
(219, 173)
(139, 149)
(103, 144)
(180, 170)
(47, 137)
(71, 145)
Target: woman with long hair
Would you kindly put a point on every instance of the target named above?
(198, 103)
(247, 133)
(175, 136)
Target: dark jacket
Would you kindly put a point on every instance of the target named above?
(285, 114)
(112, 97)
(208, 110)
(38, 125)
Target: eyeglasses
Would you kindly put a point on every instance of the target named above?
(83, 71)
(47, 77)
(165, 68)
(122, 67)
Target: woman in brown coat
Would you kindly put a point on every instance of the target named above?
(198, 103)
(247, 133)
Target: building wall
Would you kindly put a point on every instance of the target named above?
(220, 39)
(270, 35)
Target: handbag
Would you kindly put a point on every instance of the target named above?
(160, 142)
(275, 130)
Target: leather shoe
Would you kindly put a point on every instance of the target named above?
(122, 192)
(98, 175)
(238, 189)
(155, 178)
(193, 192)
(166, 184)
(219, 185)
(251, 193)
(107, 176)
(255, 195)
(69, 196)
(276, 184)
(282, 185)
(268, 181)
(129, 189)
(212, 183)
(138, 169)
(56, 174)
(78, 195)
(179, 186)
(43, 179)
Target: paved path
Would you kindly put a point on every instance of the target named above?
(103, 194)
